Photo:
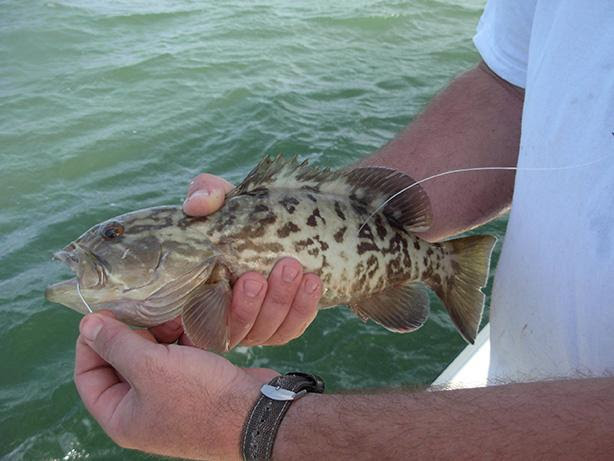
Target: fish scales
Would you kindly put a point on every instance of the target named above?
(350, 227)
(322, 232)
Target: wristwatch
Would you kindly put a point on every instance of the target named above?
(264, 419)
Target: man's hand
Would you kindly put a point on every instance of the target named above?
(263, 312)
(167, 399)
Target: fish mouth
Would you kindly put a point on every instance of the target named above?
(66, 293)
(69, 258)
(81, 262)
(90, 270)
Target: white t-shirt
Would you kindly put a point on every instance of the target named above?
(552, 309)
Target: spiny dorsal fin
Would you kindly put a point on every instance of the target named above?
(372, 186)
(400, 309)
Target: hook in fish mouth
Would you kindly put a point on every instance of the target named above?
(84, 264)
(68, 292)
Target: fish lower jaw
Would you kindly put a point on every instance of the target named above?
(65, 293)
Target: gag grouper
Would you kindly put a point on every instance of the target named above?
(152, 265)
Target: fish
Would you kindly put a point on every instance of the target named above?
(351, 227)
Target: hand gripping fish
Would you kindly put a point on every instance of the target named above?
(152, 265)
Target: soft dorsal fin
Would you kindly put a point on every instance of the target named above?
(371, 186)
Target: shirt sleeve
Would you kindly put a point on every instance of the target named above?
(503, 37)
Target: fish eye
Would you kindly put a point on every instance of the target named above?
(112, 230)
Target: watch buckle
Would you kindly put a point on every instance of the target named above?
(278, 393)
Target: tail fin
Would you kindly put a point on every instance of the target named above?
(460, 291)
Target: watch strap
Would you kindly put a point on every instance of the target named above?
(265, 417)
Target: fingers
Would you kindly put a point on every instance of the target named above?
(168, 332)
(99, 386)
(284, 281)
(302, 312)
(247, 298)
(206, 195)
(111, 339)
(277, 312)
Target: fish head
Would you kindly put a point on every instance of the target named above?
(123, 262)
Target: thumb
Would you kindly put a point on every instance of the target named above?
(204, 202)
(117, 344)
(206, 195)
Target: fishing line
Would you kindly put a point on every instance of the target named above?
(82, 298)
(483, 168)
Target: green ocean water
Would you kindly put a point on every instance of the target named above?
(106, 107)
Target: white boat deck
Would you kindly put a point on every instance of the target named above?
(470, 367)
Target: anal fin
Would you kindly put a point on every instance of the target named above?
(401, 309)
(205, 316)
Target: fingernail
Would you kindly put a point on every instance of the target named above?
(252, 288)
(90, 327)
(289, 273)
(200, 193)
(311, 285)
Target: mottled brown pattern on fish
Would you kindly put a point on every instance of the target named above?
(301, 245)
(339, 211)
(186, 222)
(312, 219)
(287, 229)
(324, 236)
(272, 247)
(158, 221)
(323, 245)
(289, 203)
(339, 234)
(260, 192)
(379, 225)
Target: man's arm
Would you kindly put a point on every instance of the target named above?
(184, 402)
(474, 122)
(559, 419)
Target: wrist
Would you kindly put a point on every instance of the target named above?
(298, 423)
(243, 399)
(267, 414)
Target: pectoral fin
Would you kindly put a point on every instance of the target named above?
(399, 309)
(205, 316)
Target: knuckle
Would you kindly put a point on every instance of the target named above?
(250, 342)
(108, 341)
(282, 296)
(244, 313)
(120, 434)
(256, 337)
(278, 340)
(304, 308)
(154, 363)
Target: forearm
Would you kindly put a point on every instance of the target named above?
(474, 122)
(568, 419)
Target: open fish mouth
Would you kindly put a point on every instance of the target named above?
(82, 263)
